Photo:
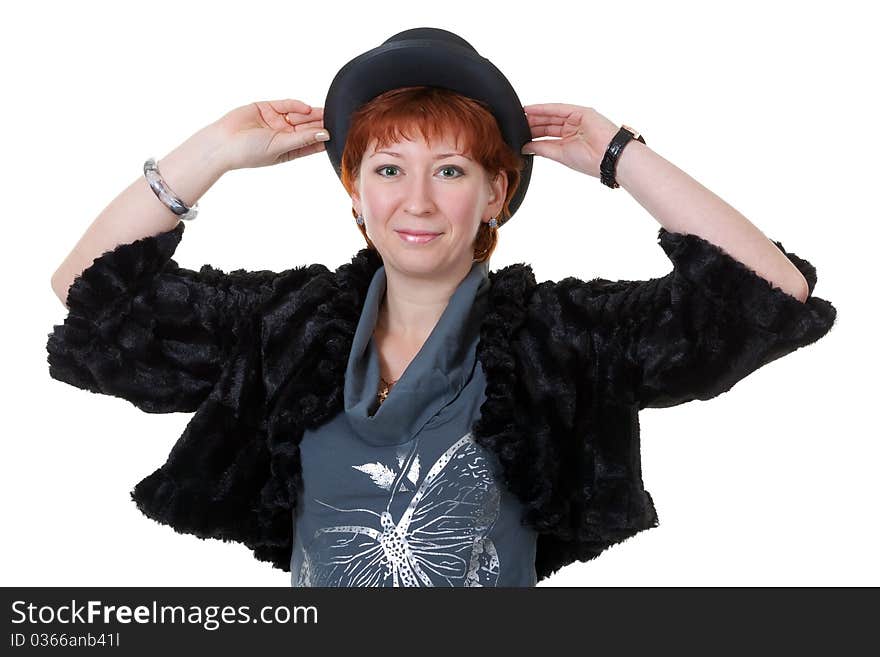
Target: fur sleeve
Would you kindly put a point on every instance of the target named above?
(694, 333)
(144, 329)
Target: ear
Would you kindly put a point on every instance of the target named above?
(355, 194)
(498, 193)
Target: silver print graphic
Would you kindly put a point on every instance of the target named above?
(440, 540)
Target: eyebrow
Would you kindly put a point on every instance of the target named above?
(437, 157)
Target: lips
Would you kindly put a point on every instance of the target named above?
(419, 237)
(417, 232)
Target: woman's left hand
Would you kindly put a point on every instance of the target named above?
(583, 133)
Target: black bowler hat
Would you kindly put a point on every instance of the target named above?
(433, 57)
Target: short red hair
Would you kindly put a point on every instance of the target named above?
(434, 112)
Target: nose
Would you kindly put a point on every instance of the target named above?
(420, 199)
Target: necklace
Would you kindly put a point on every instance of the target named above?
(384, 389)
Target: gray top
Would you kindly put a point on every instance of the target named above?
(399, 494)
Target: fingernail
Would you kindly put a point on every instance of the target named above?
(322, 135)
(527, 151)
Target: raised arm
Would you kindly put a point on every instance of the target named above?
(734, 301)
(190, 170)
(139, 326)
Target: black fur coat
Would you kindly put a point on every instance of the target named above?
(259, 356)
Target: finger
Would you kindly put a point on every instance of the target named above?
(550, 109)
(302, 152)
(549, 148)
(289, 105)
(296, 119)
(299, 122)
(314, 111)
(543, 119)
(547, 131)
(295, 140)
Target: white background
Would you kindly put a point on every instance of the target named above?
(770, 105)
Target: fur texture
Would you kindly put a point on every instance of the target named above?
(261, 356)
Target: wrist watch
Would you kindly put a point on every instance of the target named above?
(608, 167)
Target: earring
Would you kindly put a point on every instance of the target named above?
(360, 220)
(493, 223)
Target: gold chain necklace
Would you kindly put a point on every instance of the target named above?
(385, 388)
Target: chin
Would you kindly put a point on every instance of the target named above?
(418, 260)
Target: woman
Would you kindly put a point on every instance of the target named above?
(413, 418)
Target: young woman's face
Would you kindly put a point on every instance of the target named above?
(408, 187)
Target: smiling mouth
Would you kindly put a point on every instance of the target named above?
(418, 237)
(417, 232)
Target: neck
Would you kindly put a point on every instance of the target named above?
(412, 307)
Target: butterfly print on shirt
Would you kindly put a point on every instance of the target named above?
(440, 540)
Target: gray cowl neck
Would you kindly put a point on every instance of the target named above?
(431, 381)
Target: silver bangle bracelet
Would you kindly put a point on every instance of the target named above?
(164, 193)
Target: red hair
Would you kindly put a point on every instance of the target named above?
(435, 113)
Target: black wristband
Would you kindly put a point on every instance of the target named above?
(608, 168)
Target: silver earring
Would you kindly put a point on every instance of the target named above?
(360, 220)
(493, 223)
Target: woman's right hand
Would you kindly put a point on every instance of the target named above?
(269, 132)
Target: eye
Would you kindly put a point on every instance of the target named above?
(452, 168)
(383, 168)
